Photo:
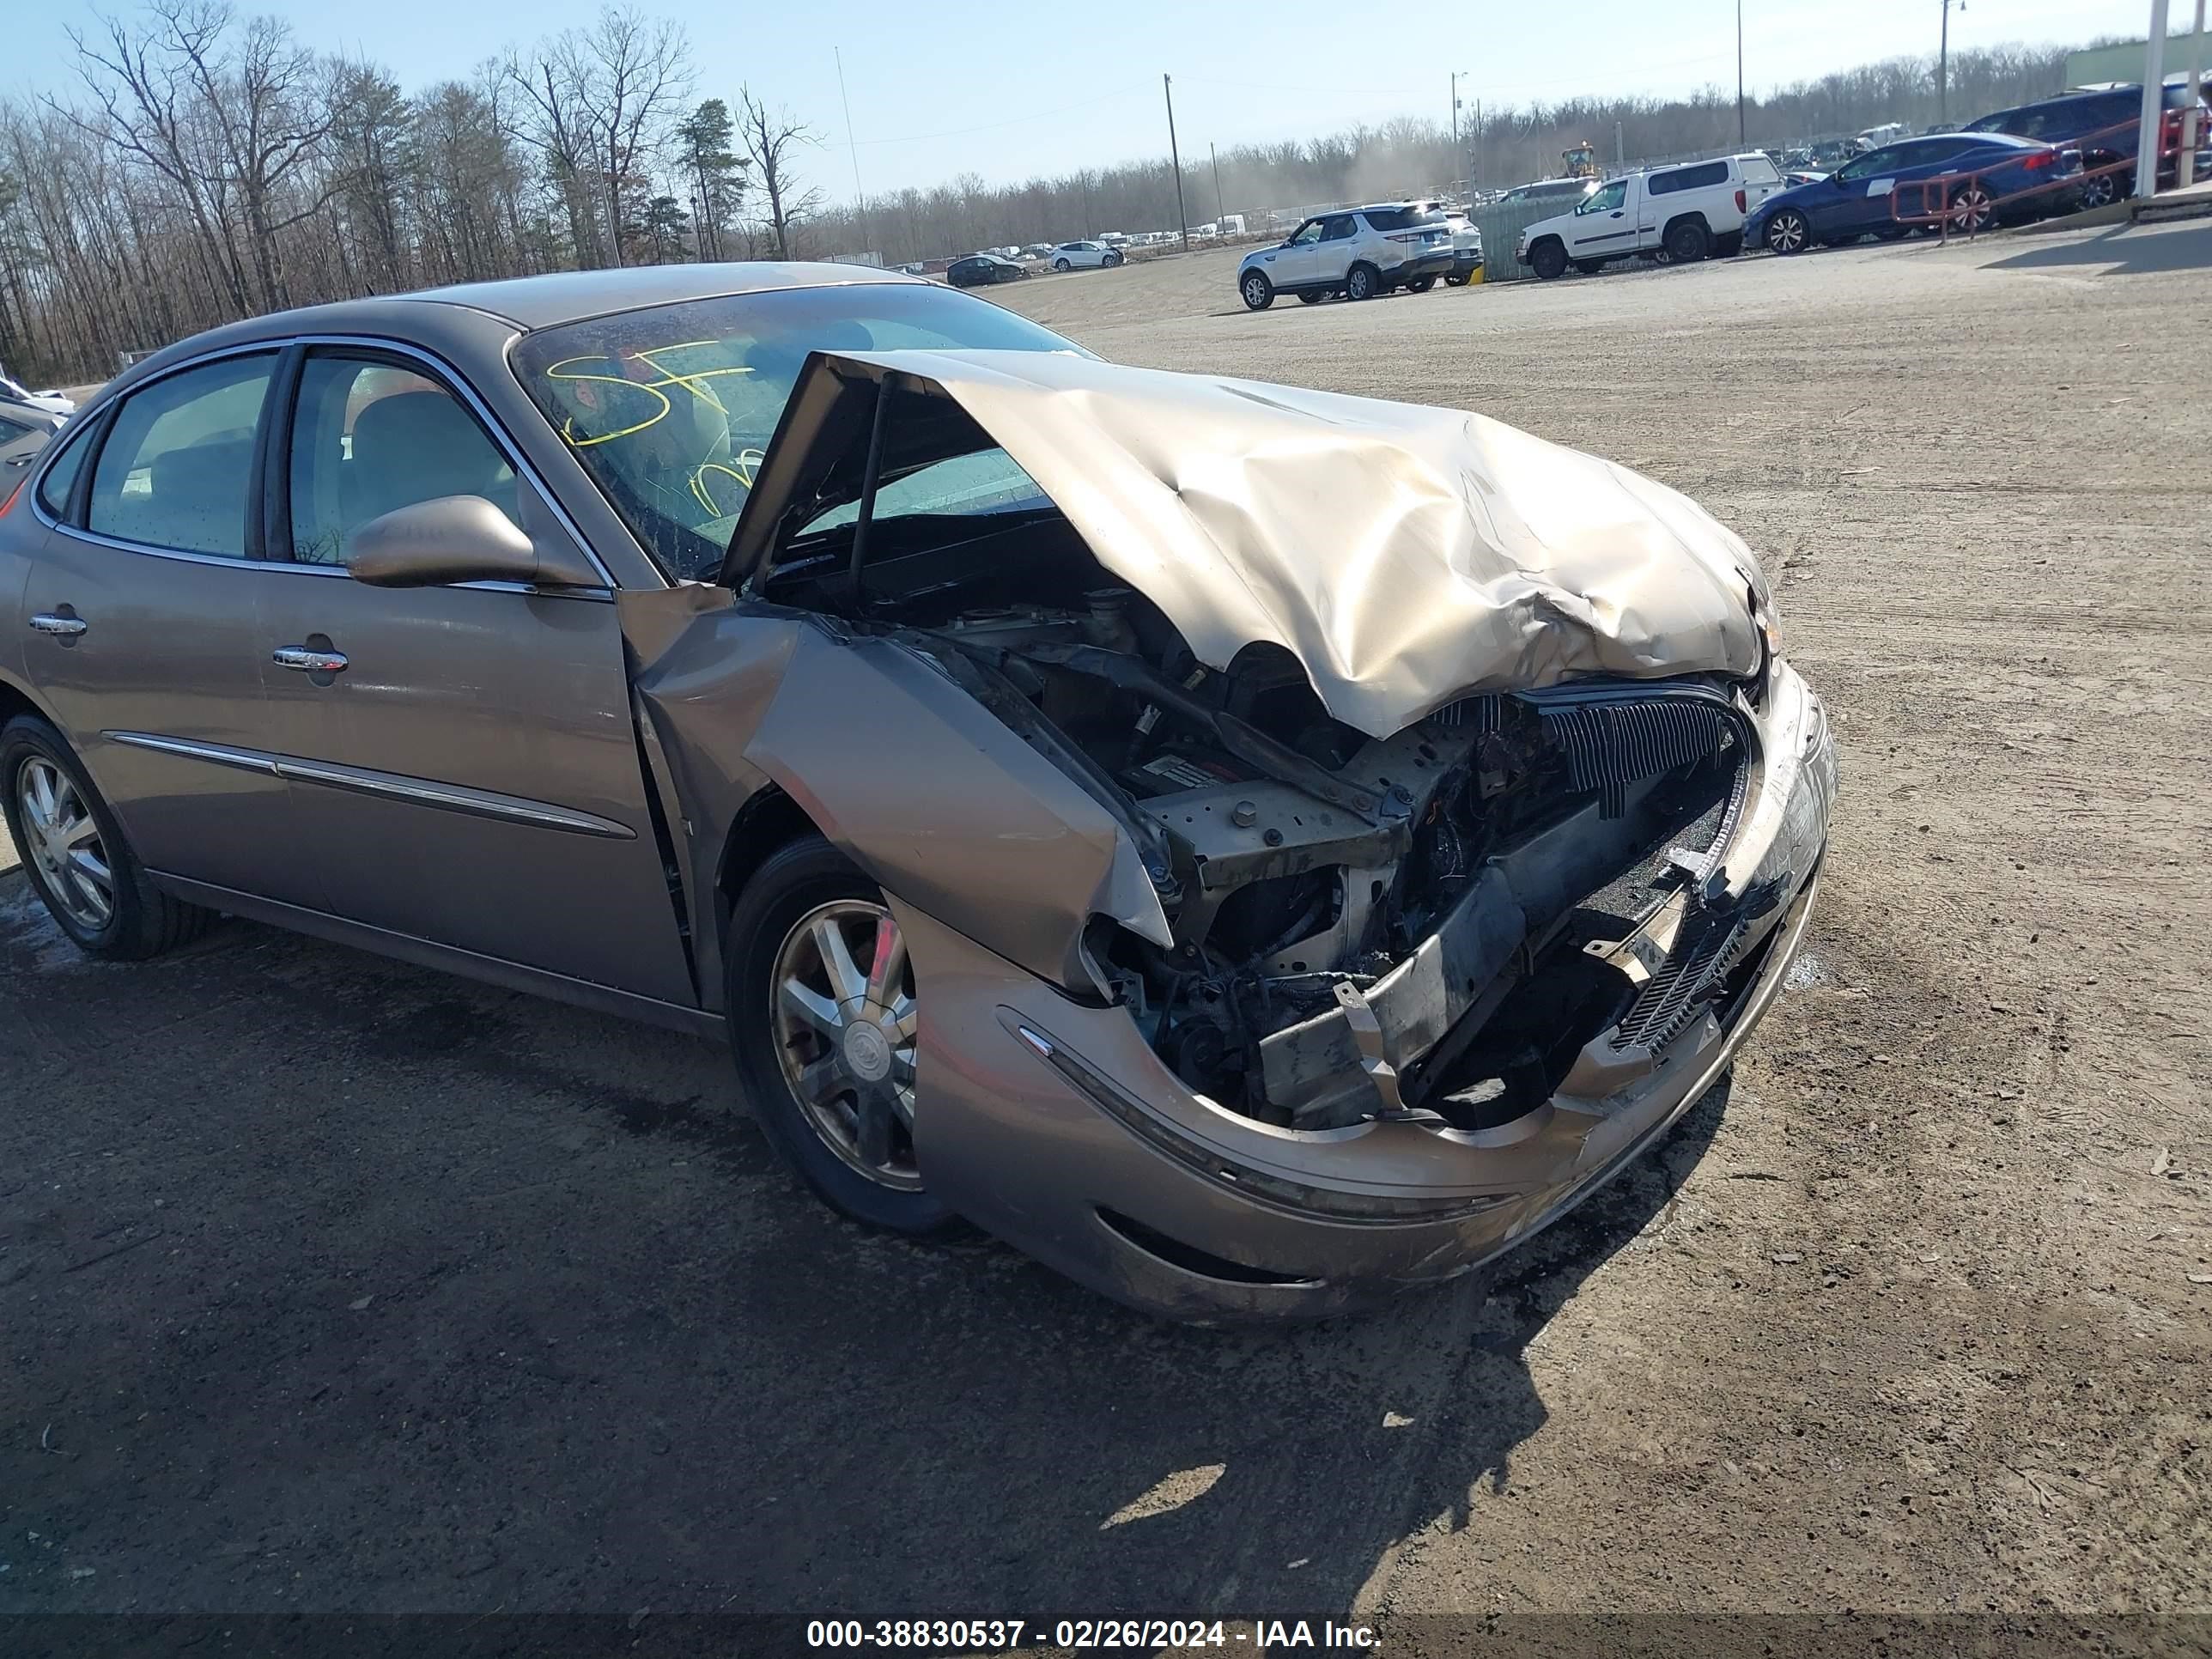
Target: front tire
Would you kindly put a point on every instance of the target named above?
(821, 1008)
(1061, 264)
(1549, 260)
(1362, 282)
(1420, 285)
(1788, 232)
(1112, 260)
(1259, 293)
(1311, 296)
(75, 853)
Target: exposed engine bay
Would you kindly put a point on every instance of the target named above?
(1434, 924)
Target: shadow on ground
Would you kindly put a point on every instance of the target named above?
(2123, 250)
(327, 1283)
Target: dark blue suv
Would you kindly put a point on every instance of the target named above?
(2104, 123)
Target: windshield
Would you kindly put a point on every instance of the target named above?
(670, 408)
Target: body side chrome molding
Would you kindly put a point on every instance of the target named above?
(390, 786)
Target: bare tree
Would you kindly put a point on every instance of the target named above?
(626, 78)
(768, 136)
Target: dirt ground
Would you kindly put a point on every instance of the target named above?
(327, 1283)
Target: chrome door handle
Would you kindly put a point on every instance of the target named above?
(303, 660)
(67, 627)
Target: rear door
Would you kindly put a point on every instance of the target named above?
(1332, 255)
(140, 626)
(466, 767)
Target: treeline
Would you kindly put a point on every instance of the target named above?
(1407, 155)
(208, 167)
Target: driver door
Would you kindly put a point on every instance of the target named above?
(1858, 196)
(1602, 226)
(1333, 252)
(1292, 265)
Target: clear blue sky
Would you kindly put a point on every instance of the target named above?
(1010, 87)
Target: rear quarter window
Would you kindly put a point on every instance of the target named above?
(1696, 178)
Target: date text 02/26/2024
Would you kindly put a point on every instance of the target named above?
(1147, 1635)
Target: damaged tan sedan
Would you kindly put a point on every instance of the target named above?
(1253, 849)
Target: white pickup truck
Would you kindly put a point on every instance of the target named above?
(1682, 213)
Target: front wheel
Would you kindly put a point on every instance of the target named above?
(1259, 293)
(1420, 285)
(77, 858)
(1455, 282)
(1549, 260)
(1061, 264)
(1362, 282)
(1311, 296)
(823, 1018)
(1112, 260)
(1788, 232)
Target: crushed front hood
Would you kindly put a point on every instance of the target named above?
(1405, 555)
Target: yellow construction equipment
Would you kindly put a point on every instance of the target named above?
(1580, 161)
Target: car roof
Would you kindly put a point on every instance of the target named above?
(570, 296)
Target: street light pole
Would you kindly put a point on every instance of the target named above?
(1221, 208)
(1739, 136)
(1183, 216)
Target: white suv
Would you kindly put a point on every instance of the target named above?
(1359, 252)
(1683, 213)
(1084, 256)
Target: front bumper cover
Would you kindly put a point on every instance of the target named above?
(1052, 1124)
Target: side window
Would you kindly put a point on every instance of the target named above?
(175, 468)
(369, 437)
(1606, 198)
(61, 476)
(11, 430)
(1662, 184)
(1757, 170)
(1306, 234)
(1338, 228)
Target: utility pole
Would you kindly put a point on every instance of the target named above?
(1741, 138)
(1182, 217)
(1943, 67)
(852, 149)
(1220, 212)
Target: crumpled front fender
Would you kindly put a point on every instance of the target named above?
(905, 772)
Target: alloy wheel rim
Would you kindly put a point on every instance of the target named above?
(1254, 290)
(1973, 209)
(1785, 234)
(65, 845)
(842, 1006)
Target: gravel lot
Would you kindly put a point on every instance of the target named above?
(325, 1284)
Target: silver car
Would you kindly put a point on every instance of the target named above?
(1084, 256)
(1255, 850)
(1359, 252)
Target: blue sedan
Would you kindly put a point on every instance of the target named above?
(1986, 171)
